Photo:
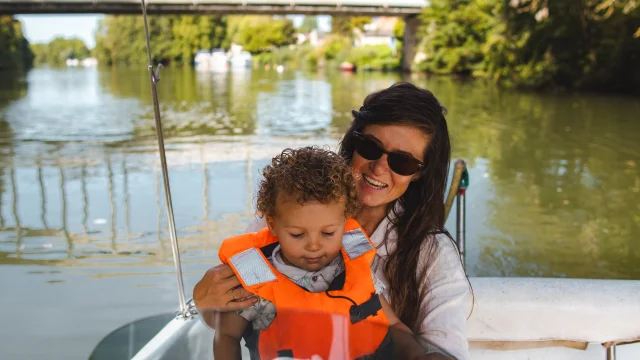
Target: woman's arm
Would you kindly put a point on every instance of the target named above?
(226, 341)
(448, 302)
(219, 290)
(404, 341)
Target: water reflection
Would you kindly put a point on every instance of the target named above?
(555, 179)
(562, 178)
(555, 184)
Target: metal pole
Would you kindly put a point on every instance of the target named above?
(184, 310)
(460, 223)
(611, 352)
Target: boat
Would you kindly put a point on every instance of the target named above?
(215, 60)
(240, 59)
(512, 318)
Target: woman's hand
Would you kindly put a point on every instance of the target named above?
(220, 290)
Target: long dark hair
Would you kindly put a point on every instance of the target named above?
(421, 215)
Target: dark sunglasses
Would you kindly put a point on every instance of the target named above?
(399, 163)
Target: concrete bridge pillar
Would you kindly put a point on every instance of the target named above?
(409, 41)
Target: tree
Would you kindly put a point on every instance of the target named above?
(263, 33)
(344, 25)
(568, 44)
(193, 33)
(309, 24)
(57, 51)
(15, 52)
(454, 34)
(121, 40)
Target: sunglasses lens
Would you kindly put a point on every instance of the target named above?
(399, 163)
(367, 149)
(403, 164)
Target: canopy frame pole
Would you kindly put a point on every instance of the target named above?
(184, 310)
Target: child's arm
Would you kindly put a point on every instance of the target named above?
(226, 341)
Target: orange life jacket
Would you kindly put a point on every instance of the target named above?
(306, 323)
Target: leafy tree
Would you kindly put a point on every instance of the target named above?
(454, 34)
(193, 33)
(58, 50)
(566, 44)
(309, 24)
(345, 25)
(263, 33)
(120, 39)
(15, 52)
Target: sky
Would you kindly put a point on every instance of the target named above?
(43, 28)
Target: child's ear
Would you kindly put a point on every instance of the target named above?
(271, 224)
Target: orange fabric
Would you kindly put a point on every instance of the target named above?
(315, 331)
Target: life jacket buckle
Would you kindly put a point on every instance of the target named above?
(368, 308)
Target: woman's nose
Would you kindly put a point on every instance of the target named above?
(380, 166)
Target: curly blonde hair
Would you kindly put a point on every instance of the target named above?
(308, 174)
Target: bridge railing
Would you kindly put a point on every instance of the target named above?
(337, 3)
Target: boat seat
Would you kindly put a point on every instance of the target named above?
(530, 313)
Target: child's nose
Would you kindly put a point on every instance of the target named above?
(314, 244)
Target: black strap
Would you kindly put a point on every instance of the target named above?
(285, 353)
(267, 250)
(338, 282)
(366, 309)
(251, 338)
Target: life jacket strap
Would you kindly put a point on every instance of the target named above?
(355, 243)
(368, 308)
(285, 353)
(252, 268)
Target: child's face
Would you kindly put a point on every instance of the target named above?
(310, 235)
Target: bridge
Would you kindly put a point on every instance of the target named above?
(304, 7)
(408, 9)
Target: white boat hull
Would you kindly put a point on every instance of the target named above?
(514, 318)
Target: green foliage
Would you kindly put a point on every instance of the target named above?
(578, 44)
(192, 33)
(590, 46)
(261, 33)
(345, 25)
(309, 24)
(58, 50)
(291, 57)
(374, 57)
(398, 33)
(15, 52)
(176, 38)
(454, 35)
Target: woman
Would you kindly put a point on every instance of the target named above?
(398, 146)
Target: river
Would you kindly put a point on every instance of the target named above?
(554, 192)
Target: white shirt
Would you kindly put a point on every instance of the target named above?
(448, 302)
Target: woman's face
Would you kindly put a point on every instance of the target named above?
(376, 184)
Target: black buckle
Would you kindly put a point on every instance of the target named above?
(366, 309)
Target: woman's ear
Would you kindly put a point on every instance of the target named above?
(271, 224)
(416, 176)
